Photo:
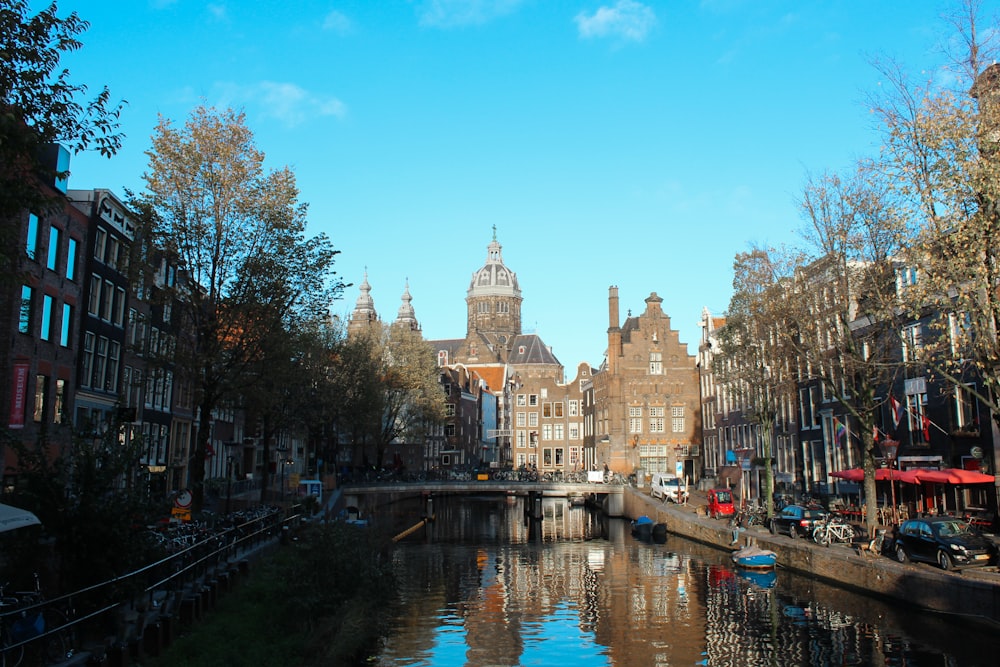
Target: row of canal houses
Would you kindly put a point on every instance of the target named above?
(85, 330)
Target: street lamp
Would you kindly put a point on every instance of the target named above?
(889, 449)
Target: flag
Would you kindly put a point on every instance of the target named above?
(897, 411)
(839, 430)
(875, 434)
(927, 428)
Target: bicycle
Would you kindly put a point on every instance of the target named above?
(833, 530)
(28, 620)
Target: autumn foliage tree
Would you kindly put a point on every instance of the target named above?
(248, 270)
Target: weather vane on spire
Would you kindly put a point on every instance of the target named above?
(494, 232)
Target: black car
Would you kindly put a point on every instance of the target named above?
(946, 541)
(796, 520)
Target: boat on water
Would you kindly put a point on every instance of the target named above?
(754, 558)
(642, 527)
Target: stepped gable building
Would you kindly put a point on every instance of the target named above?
(646, 396)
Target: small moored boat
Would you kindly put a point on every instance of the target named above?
(755, 558)
(642, 527)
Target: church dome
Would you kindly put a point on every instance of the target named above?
(494, 279)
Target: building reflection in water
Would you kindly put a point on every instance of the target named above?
(485, 587)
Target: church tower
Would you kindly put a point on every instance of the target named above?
(494, 302)
(406, 316)
(364, 317)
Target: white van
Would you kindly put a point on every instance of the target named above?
(668, 487)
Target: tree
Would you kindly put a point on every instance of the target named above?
(753, 360)
(941, 155)
(846, 306)
(247, 269)
(41, 106)
(387, 379)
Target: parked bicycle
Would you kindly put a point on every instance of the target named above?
(833, 530)
(29, 623)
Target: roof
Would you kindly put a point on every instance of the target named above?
(530, 349)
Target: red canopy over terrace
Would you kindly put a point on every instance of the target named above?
(952, 476)
(881, 475)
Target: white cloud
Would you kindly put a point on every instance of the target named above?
(454, 13)
(627, 19)
(217, 11)
(289, 103)
(337, 22)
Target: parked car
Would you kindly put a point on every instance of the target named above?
(947, 541)
(797, 520)
(668, 487)
(720, 503)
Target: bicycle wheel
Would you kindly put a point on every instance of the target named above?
(58, 646)
(11, 657)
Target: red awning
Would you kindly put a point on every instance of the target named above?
(952, 476)
(881, 475)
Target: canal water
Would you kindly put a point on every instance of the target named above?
(483, 587)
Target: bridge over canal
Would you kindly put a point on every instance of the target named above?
(368, 498)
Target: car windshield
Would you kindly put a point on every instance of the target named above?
(723, 498)
(949, 528)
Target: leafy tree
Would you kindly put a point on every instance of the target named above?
(941, 156)
(753, 361)
(40, 106)
(390, 380)
(248, 270)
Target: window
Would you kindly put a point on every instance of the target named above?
(656, 425)
(87, 364)
(677, 419)
(547, 457)
(45, 332)
(920, 425)
(520, 419)
(119, 306)
(65, 325)
(558, 431)
(532, 419)
(449, 430)
(521, 400)
(635, 425)
(521, 438)
(546, 431)
(41, 382)
(24, 312)
(71, 259)
(574, 408)
(114, 248)
(574, 431)
(656, 363)
(533, 400)
(94, 306)
(559, 456)
(966, 409)
(547, 410)
(635, 411)
(60, 402)
(31, 242)
(52, 260)
(107, 301)
(100, 244)
(114, 355)
(557, 409)
(911, 342)
(449, 409)
(100, 362)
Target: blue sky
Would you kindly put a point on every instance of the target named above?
(633, 143)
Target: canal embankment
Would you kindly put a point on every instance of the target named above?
(972, 593)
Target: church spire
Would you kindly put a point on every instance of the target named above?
(406, 315)
(364, 314)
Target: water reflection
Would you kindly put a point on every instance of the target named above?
(486, 587)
